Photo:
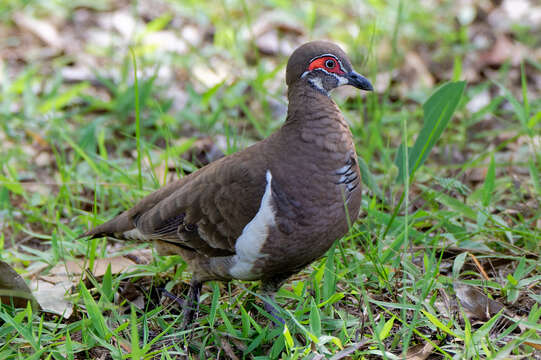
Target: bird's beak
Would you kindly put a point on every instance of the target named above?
(359, 81)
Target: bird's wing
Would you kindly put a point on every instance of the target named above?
(206, 209)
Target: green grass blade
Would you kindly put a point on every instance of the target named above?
(315, 319)
(436, 322)
(94, 313)
(63, 99)
(438, 110)
(488, 186)
(534, 173)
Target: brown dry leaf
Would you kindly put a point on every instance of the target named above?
(274, 32)
(42, 29)
(476, 303)
(502, 50)
(228, 350)
(51, 297)
(192, 35)
(50, 289)
(419, 352)
(123, 22)
(349, 350)
(477, 174)
(208, 76)
(206, 150)
(268, 43)
(13, 288)
(478, 101)
(165, 41)
(414, 62)
(75, 74)
(279, 20)
(73, 268)
(383, 81)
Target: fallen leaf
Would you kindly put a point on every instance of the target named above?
(74, 268)
(423, 76)
(210, 77)
(166, 41)
(501, 51)
(476, 303)
(349, 350)
(124, 23)
(419, 352)
(192, 35)
(42, 29)
(268, 43)
(228, 350)
(52, 297)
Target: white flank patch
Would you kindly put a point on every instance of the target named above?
(250, 242)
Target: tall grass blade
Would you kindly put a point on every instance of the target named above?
(438, 110)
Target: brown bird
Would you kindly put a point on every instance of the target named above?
(268, 211)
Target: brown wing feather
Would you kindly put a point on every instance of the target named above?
(126, 220)
(217, 204)
(205, 210)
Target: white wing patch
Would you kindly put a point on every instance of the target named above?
(250, 242)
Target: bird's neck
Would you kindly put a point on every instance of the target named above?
(308, 106)
(315, 121)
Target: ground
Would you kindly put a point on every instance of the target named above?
(443, 262)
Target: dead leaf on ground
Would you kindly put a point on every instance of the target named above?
(349, 350)
(502, 51)
(228, 349)
(206, 150)
(40, 28)
(51, 297)
(419, 352)
(72, 269)
(51, 289)
(476, 303)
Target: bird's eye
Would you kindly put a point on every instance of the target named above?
(330, 63)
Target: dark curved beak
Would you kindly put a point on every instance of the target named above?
(359, 81)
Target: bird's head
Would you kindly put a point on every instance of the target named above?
(324, 66)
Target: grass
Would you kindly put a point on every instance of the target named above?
(77, 153)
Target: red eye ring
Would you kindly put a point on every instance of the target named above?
(327, 63)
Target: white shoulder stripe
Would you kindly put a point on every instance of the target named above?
(250, 242)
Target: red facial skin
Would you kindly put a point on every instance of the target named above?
(319, 63)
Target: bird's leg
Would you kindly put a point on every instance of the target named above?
(269, 287)
(271, 309)
(190, 309)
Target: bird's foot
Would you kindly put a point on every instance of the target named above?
(272, 310)
(190, 309)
